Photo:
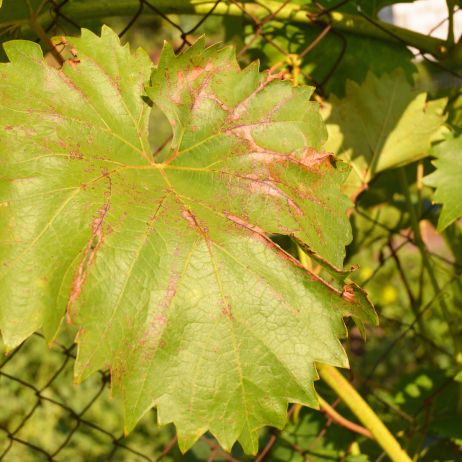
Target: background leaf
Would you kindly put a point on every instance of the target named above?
(337, 58)
(381, 124)
(447, 180)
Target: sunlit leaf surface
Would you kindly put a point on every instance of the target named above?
(447, 179)
(165, 265)
(382, 123)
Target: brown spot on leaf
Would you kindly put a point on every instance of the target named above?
(188, 216)
(348, 293)
(74, 62)
(75, 154)
(312, 158)
(227, 311)
(193, 222)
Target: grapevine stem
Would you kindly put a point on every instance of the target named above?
(355, 24)
(363, 412)
(340, 420)
(424, 255)
(346, 392)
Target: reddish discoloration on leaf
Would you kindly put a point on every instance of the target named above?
(220, 103)
(312, 158)
(89, 254)
(70, 83)
(260, 235)
(268, 187)
(201, 93)
(226, 311)
(244, 224)
(242, 107)
(153, 333)
(193, 222)
(348, 293)
(171, 291)
(73, 62)
(189, 217)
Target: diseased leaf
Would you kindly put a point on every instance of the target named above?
(381, 124)
(166, 265)
(447, 180)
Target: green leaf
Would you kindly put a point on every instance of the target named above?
(304, 433)
(454, 111)
(381, 124)
(423, 385)
(166, 266)
(16, 13)
(334, 60)
(447, 180)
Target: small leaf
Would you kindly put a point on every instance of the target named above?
(381, 124)
(458, 377)
(166, 266)
(447, 180)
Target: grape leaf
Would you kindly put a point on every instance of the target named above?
(447, 180)
(382, 123)
(165, 265)
(350, 56)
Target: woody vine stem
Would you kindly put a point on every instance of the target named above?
(356, 403)
(446, 52)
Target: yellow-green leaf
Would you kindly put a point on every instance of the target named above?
(165, 265)
(447, 180)
(381, 124)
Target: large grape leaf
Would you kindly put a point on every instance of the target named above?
(382, 123)
(166, 265)
(447, 180)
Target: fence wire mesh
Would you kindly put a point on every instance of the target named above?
(43, 416)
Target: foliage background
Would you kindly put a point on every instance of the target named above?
(409, 367)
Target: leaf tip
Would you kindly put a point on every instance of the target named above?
(20, 49)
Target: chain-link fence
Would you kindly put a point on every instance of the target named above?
(43, 416)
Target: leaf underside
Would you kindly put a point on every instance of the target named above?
(165, 265)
